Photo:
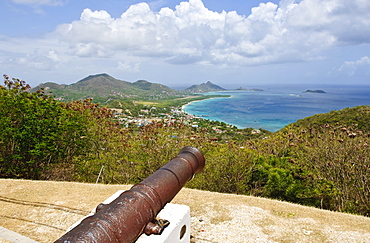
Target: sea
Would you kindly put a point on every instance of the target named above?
(274, 107)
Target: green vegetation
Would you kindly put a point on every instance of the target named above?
(204, 87)
(39, 133)
(104, 89)
(321, 161)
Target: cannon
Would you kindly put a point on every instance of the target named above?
(134, 211)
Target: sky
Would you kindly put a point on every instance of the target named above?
(234, 43)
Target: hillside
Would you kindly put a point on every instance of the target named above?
(43, 210)
(320, 161)
(103, 88)
(145, 85)
(204, 87)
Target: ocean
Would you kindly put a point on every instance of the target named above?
(277, 106)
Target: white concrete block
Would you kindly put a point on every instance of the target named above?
(11, 236)
(178, 231)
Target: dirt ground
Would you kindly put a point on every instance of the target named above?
(43, 210)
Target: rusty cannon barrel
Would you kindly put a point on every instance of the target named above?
(134, 211)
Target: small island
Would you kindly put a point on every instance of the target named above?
(244, 89)
(319, 91)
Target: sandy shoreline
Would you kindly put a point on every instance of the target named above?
(184, 106)
(208, 117)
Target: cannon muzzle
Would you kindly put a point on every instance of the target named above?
(134, 211)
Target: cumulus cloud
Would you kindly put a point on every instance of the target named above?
(37, 60)
(191, 33)
(31, 54)
(359, 66)
(127, 66)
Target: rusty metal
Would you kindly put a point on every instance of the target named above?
(127, 217)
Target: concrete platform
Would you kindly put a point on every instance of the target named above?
(11, 236)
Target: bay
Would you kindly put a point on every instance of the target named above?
(277, 106)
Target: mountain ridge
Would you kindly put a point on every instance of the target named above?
(103, 87)
(204, 87)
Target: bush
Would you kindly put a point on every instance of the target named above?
(321, 161)
(36, 132)
(39, 132)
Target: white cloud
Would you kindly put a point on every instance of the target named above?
(88, 50)
(38, 60)
(193, 34)
(127, 66)
(26, 58)
(97, 17)
(359, 66)
(142, 40)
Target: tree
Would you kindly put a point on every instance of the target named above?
(36, 131)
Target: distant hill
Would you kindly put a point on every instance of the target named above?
(145, 85)
(204, 87)
(103, 87)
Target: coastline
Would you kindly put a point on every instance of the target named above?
(255, 123)
(207, 117)
(184, 106)
(276, 107)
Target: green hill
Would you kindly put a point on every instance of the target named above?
(145, 85)
(102, 83)
(327, 156)
(320, 161)
(103, 88)
(204, 87)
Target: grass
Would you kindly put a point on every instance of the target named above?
(145, 103)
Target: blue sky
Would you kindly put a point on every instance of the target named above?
(179, 43)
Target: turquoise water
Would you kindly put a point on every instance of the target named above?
(275, 107)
